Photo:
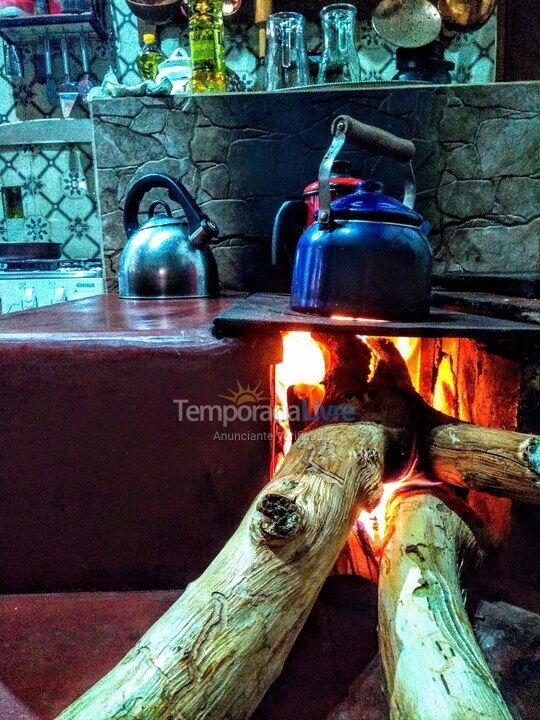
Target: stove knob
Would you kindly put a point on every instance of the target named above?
(29, 298)
(59, 295)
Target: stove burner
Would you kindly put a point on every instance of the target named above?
(28, 265)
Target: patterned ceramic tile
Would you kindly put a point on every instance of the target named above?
(37, 229)
(57, 196)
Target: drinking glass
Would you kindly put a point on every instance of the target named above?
(286, 60)
(339, 62)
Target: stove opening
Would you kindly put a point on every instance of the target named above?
(462, 378)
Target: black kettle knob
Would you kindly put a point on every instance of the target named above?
(371, 186)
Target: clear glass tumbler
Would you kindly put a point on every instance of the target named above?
(339, 61)
(286, 58)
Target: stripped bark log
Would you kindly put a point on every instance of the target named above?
(214, 654)
(499, 462)
(433, 667)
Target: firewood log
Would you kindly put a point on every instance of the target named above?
(433, 668)
(499, 462)
(216, 651)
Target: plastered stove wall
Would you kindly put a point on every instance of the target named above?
(478, 154)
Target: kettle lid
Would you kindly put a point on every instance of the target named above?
(370, 203)
(160, 220)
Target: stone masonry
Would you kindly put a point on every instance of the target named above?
(477, 166)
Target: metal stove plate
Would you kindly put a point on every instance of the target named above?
(262, 312)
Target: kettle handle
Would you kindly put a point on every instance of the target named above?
(346, 128)
(289, 224)
(201, 228)
(374, 138)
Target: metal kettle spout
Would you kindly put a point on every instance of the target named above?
(204, 233)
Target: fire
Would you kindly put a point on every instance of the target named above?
(445, 393)
(357, 319)
(303, 360)
(304, 367)
(374, 522)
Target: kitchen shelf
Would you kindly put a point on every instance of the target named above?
(46, 132)
(29, 28)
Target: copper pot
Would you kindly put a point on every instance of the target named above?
(156, 12)
(465, 15)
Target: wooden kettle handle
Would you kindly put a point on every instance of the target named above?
(373, 138)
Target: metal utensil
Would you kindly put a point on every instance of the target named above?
(50, 86)
(87, 79)
(14, 61)
(465, 17)
(410, 23)
(68, 91)
(367, 254)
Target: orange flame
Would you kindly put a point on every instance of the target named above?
(409, 348)
(374, 522)
(357, 319)
(445, 392)
(304, 367)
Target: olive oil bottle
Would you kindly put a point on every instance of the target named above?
(207, 43)
(149, 57)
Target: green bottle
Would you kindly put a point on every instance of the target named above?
(149, 57)
(207, 43)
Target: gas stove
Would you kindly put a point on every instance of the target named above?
(26, 284)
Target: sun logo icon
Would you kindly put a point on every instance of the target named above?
(244, 395)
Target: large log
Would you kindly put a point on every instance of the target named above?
(433, 668)
(508, 636)
(499, 462)
(216, 651)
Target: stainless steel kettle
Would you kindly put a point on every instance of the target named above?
(163, 258)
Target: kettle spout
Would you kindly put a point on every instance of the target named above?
(204, 233)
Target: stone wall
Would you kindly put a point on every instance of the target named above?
(477, 165)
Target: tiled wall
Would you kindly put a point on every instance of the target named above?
(58, 197)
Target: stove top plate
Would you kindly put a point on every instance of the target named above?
(263, 312)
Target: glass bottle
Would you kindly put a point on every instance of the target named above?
(149, 57)
(339, 61)
(286, 59)
(207, 43)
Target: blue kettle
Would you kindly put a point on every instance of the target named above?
(366, 254)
